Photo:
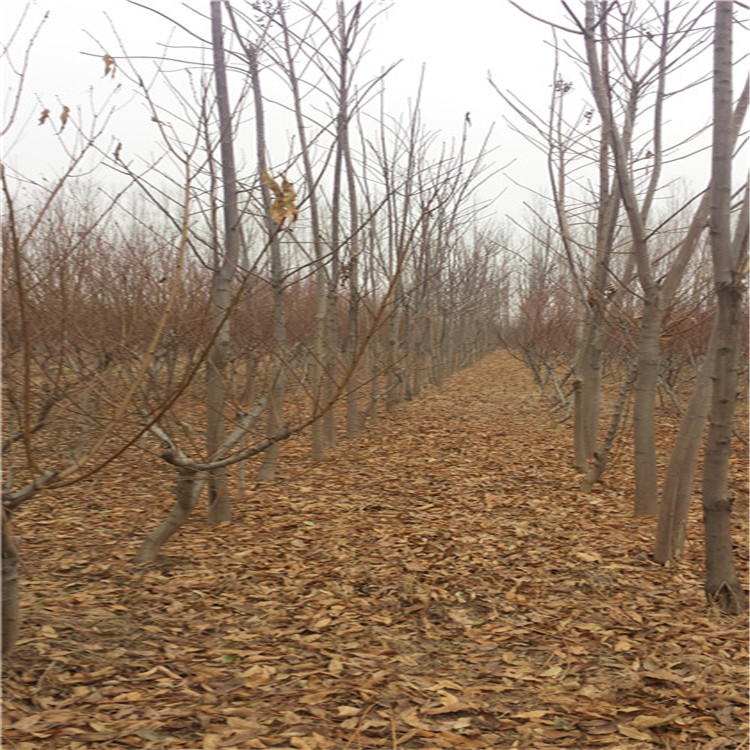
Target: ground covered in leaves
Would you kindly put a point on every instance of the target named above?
(439, 583)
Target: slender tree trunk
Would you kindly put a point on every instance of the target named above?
(319, 326)
(353, 422)
(722, 584)
(318, 374)
(268, 467)
(219, 506)
(407, 362)
(351, 343)
(267, 470)
(351, 339)
(644, 404)
(332, 348)
(393, 377)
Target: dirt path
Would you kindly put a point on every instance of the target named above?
(438, 584)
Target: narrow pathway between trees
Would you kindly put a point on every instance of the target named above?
(440, 583)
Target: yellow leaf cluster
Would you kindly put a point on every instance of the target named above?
(284, 205)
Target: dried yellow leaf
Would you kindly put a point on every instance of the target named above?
(348, 710)
(270, 183)
(553, 671)
(109, 65)
(303, 743)
(588, 557)
(284, 205)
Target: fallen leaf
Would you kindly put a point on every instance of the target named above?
(633, 733)
(348, 710)
(530, 714)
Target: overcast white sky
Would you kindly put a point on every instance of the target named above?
(458, 41)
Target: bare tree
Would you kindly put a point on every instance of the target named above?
(655, 292)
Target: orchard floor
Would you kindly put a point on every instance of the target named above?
(439, 583)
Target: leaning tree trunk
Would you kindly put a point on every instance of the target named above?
(187, 491)
(683, 461)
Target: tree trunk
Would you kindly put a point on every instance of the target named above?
(267, 470)
(11, 611)
(318, 375)
(601, 455)
(587, 390)
(219, 506)
(729, 261)
(683, 461)
(393, 378)
(187, 491)
(646, 479)
(319, 330)
(644, 403)
(351, 344)
(722, 584)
